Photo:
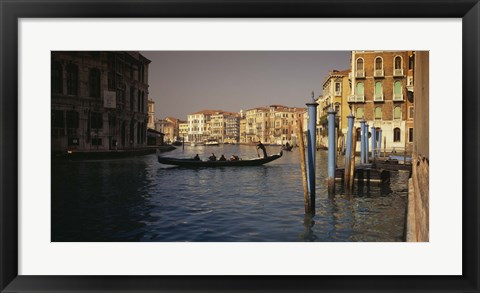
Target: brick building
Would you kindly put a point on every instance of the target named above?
(379, 95)
(98, 101)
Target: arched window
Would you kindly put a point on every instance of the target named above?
(359, 113)
(360, 68)
(397, 90)
(398, 62)
(378, 63)
(359, 134)
(94, 82)
(360, 91)
(72, 79)
(378, 91)
(396, 134)
(398, 66)
(57, 79)
(378, 113)
(397, 113)
(378, 67)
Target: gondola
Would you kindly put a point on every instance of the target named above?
(287, 148)
(228, 163)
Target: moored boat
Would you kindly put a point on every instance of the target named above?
(287, 147)
(212, 142)
(198, 163)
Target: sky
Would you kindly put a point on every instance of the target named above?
(184, 82)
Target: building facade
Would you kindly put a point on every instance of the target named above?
(379, 95)
(151, 114)
(99, 101)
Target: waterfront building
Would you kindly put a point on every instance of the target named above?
(199, 128)
(151, 114)
(242, 127)
(336, 90)
(379, 94)
(98, 100)
(169, 127)
(183, 130)
(256, 126)
(232, 128)
(281, 124)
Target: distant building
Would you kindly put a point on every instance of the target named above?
(256, 126)
(281, 123)
(98, 100)
(183, 130)
(199, 125)
(169, 127)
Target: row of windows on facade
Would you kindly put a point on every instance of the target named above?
(397, 113)
(396, 134)
(378, 89)
(397, 63)
(116, 85)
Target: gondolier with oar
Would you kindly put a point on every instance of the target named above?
(262, 147)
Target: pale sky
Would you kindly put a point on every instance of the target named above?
(184, 82)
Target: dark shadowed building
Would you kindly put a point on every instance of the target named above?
(99, 101)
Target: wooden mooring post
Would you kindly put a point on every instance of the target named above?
(348, 153)
(303, 164)
(352, 162)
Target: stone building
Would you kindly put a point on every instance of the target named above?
(99, 101)
(151, 114)
(281, 122)
(183, 130)
(379, 95)
(256, 126)
(169, 127)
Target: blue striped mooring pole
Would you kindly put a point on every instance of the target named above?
(311, 150)
(374, 143)
(379, 142)
(366, 143)
(331, 152)
(362, 141)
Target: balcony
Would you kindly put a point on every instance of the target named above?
(378, 97)
(378, 73)
(360, 74)
(397, 97)
(398, 72)
(356, 98)
(339, 93)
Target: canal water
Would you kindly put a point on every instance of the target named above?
(138, 199)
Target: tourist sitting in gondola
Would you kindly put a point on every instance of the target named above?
(222, 158)
(196, 158)
(212, 157)
(234, 158)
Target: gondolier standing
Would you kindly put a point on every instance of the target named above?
(262, 147)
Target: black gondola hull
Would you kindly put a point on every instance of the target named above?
(196, 163)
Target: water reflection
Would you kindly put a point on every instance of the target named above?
(138, 199)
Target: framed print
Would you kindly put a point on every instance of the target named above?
(90, 201)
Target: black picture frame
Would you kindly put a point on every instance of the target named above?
(11, 11)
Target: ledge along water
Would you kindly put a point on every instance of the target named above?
(138, 199)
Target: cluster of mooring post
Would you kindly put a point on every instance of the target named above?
(311, 150)
(331, 152)
(348, 153)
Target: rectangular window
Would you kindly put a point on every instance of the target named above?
(72, 119)
(57, 119)
(96, 141)
(410, 134)
(338, 90)
(410, 112)
(96, 120)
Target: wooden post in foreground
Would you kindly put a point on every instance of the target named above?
(303, 163)
(352, 158)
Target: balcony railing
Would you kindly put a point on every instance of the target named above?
(378, 73)
(339, 93)
(398, 72)
(356, 98)
(378, 98)
(360, 73)
(397, 97)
